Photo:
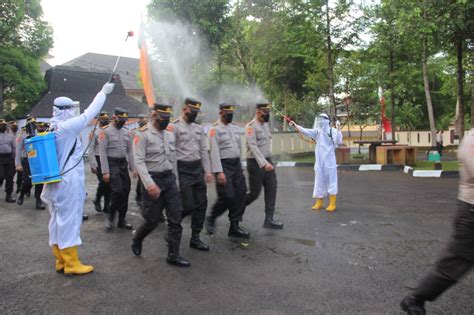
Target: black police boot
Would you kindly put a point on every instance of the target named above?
(174, 258)
(272, 224)
(20, 199)
(9, 198)
(211, 225)
(122, 224)
(97, 206)
(236, 231)
(39, 204)
(136, 247)
(412, 305)
(196, 243)
(85, 217)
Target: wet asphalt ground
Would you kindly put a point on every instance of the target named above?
(362, 259)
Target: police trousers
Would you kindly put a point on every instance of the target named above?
(170, 200)
(232, 195)
(103, 189)
(192, 186)
(26, 180)
(7, 171)
(258, 177)
(457, 258)
(119, 186)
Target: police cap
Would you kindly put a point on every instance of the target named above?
(227, 107)
(266, 107)
(164, 110)
(121, 114)
(193, 104)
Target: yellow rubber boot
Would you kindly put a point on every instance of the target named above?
(73, 266)
(318, 204)
(59, 259)
(332, 203)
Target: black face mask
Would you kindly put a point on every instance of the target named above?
(266, 117)
(191, 116)
(162, 124)
(103, 123)
(3, 129)
(119, 124)
(228, 117)
(14, 128)
(142, 123)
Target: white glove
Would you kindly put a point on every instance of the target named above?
(108, 88)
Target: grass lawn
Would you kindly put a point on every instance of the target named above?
(429, 165)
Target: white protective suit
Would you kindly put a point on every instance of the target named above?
(65, 199)
(327, 140)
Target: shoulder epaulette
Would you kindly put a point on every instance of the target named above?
(215, 124)
(144, 128)
(104, 127)
(175, 121)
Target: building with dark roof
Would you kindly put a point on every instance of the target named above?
(82, 85)
(127, 68)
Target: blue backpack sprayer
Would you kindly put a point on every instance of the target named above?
(41, 150)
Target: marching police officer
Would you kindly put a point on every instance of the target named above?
(225, 163)
(260, 166)
(194, 168)
(142, 121)
(21, 163)
(103, 189)
(116, 158)
(155, 159)
(13, 127)
(7, 159)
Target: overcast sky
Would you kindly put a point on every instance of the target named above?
(98, 26)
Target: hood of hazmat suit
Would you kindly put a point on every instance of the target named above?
(65, 199)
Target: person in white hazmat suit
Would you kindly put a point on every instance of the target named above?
(327, 140)
(65, 199)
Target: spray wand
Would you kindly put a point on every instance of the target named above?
(288, 119)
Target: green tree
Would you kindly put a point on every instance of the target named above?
(24, 39)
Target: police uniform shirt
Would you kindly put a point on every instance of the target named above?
(191, 143)
(259, 138)
(114, 143)
(153, 151)
(20, 148)
(94, 147)
(225, 144)
(7, 143)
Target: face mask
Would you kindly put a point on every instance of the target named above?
(228, 117)
(266, 117)
(323, 123)
(14, 128)
(191, 116)
(142, 123)
(103, 123)
(163, 123)
(3, 128)
(119, 124)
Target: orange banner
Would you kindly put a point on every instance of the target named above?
(145, 75)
